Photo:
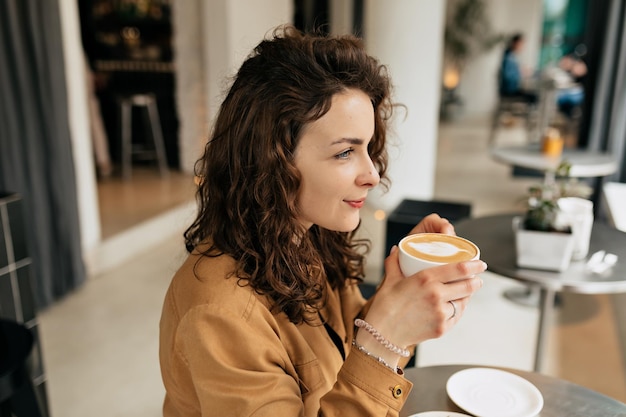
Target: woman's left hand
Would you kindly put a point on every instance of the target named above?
(433, 223)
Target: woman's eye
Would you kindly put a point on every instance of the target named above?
(345, 154)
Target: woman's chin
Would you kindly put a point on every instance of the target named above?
(351, 226)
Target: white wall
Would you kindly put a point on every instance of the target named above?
(191, 107)
(407, 36)
(478, 87)
(89, 216)
(233, 28)
(212, 39)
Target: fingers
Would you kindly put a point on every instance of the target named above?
(456, 308)
(392, 267)
(416, 308)
(450, 287)
(454, 311)
(433, 223)
(451, 273)
(472, 267)
(445, 315)
(461, 289)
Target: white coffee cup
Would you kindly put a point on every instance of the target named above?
(577, 213)
(425, 250)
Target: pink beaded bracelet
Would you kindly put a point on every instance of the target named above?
(362, 324)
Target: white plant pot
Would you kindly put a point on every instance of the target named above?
(551, 251)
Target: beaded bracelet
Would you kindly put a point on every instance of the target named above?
(405, 353)
(397, 370)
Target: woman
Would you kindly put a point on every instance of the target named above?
(510, 74)
(260, 319)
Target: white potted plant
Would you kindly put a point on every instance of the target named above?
(541, 242)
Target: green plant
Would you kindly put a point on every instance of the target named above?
(468, 32)
(543, 198)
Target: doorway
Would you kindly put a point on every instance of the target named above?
(128, 51)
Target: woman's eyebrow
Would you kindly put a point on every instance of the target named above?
(352, 141)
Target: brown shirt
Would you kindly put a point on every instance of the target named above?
(224, 353)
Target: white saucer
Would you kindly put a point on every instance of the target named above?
(486, 392)
(439, 414)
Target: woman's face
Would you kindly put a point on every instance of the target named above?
(335, 165)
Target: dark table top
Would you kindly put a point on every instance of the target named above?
(561, 398)
(495, 238)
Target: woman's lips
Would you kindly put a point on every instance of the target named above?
(356, 203)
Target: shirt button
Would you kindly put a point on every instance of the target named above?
(397, 391)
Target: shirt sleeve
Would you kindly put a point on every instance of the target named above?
(365, 388)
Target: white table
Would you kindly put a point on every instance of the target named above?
(585, 164)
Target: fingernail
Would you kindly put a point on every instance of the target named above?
(394, 248)
(485, 265)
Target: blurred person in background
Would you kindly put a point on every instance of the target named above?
(510, 76)
(570, 100)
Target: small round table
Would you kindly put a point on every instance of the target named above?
(560, 398)
(496, 240)
(585, 164)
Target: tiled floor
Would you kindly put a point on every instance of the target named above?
(100, 343)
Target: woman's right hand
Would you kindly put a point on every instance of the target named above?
(408, 311)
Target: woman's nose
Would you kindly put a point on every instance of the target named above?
(369, 176)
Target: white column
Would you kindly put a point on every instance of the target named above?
(407, 36)
(232, 29)
(341, 16)
(76, 84)
(213, 37)
(189, 42)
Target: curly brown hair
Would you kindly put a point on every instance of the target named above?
(249, 184)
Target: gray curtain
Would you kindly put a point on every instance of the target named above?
(35, 148)
(607, 127)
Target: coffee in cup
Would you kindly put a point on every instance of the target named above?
(425, 250)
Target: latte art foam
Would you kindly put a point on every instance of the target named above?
(442, 249)
(439, 248)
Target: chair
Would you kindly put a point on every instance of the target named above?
(17, 395)
(146, 102)
(515, 106)
(614, 194)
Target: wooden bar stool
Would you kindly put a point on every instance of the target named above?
(147, 102)
(17, 396)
